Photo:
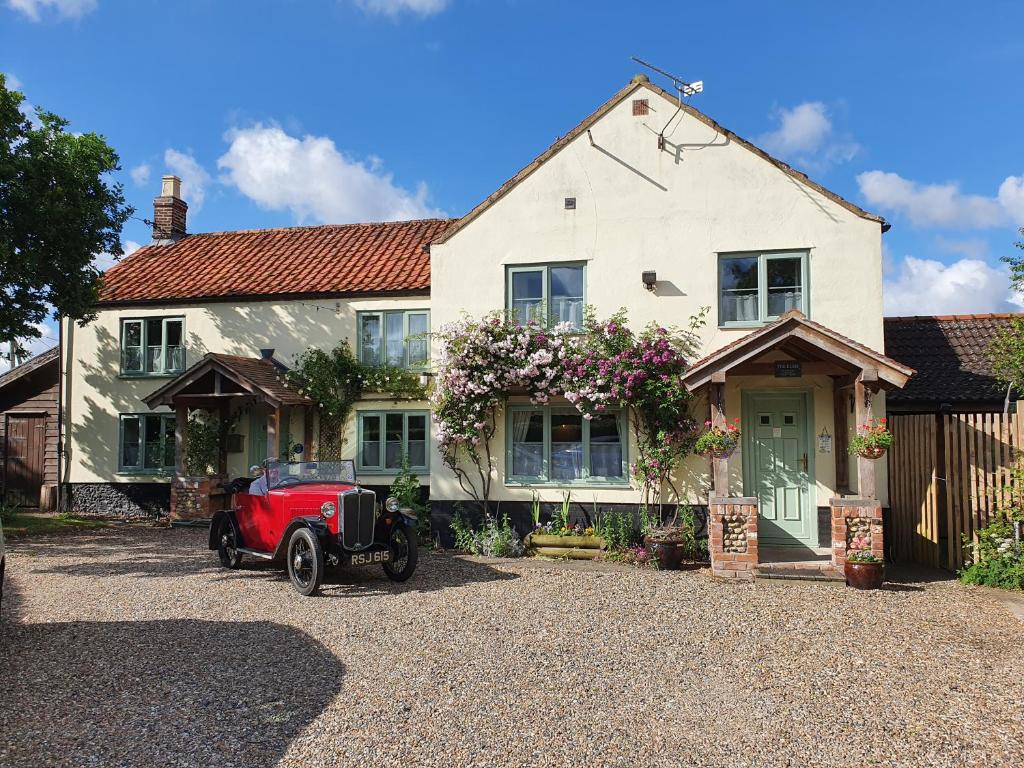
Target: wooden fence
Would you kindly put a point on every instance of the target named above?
(948, 475)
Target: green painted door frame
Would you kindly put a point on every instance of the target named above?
(778, 432)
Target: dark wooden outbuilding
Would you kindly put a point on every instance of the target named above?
(28, 433)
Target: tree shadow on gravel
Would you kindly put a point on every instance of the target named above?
(158, 693)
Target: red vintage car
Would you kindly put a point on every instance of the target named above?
(311, 515)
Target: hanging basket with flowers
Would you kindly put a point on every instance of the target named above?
(718, 441)
(872, 440)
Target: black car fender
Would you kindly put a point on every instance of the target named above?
(387, 520)
(316, 524)
(215, 523)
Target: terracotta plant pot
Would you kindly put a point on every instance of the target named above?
(863, 575)
(873, 453)
(669, 554)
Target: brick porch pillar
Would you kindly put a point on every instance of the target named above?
(190, 498)
(856, 524)
(732, 536)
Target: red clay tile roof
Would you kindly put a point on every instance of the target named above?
(256, 374)
(950, 353)
(795, 317)
(346, 259)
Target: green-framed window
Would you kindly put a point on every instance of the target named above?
(755, 288)
(146, 442)
(547, 293)
(152, 346)
(385, 436)
(398, 338)
(556, 445)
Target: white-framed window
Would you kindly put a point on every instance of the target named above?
(755, 288)
(146, 442)
(547, 293)
(556, 445)
(386, 436)
(398, 338)
(152, 346)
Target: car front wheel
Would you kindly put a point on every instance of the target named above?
(227, 546)
(305, 562)
(402, 543)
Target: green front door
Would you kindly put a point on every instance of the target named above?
(257, 436)
(775, 467)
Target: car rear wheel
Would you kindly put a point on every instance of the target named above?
(227, 546)
(402, 543)
(305, 562)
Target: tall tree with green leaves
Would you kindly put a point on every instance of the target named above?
(1006, 352)
(59, 209)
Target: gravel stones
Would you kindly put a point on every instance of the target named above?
(131, 647)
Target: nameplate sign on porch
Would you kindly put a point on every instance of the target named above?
(788, 369)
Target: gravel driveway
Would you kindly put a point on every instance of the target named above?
(129, 648)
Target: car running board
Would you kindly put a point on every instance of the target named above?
(256, 553)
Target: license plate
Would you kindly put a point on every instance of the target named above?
(369, 558)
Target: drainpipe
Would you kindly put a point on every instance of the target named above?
(60, 414)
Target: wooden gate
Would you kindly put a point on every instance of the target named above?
(948, 475)
(24, 445)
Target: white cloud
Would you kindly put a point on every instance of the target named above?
(943, 205)
(32, 347)
(314, 180)
(805, 135)
(396, 7)
(194, 178)
(929, 287)
(105, 261)
(140, 174)
(68, 9)
(12, 83)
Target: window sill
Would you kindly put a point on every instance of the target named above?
(620, 485)
(149, 375)
(168, 473)
(390, 472)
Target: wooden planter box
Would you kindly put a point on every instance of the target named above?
(573, 547)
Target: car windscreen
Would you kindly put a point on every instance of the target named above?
(280, 473)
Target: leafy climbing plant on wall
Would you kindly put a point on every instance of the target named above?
(602, 365)
(335, 380)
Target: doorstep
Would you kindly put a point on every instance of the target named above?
(797, 564)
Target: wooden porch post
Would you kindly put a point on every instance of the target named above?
(307, 438)
(273, 426)
(222, 456)
(719, 465)
(180, 436)
(862, 390)
(841, 425)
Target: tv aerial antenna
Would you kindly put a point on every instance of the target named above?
(683, 88)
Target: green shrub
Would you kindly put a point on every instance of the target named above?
(495, 538)
(406, 488)
(997, 560)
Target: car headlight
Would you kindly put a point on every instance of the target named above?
(328, 510)
(392, 505)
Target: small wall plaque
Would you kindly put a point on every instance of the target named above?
(788, 369)
(824, 442)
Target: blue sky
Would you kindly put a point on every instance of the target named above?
(278, 112)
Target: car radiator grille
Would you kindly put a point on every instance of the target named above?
(358, 515)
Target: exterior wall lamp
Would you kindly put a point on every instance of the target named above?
(650, 278)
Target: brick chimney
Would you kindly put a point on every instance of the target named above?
(169, 211)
